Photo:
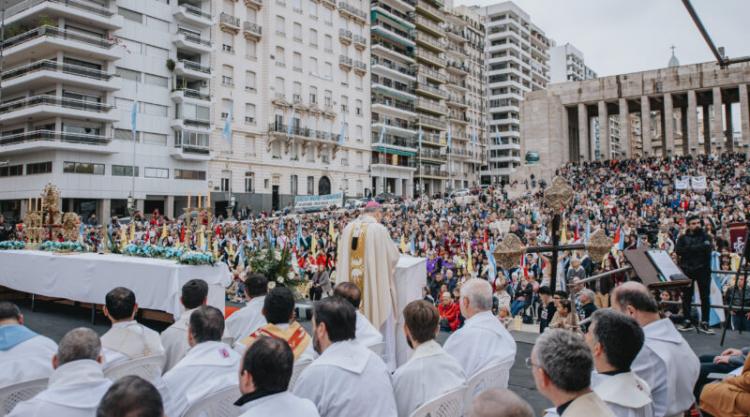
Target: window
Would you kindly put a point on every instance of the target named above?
(249, 114)
(125, 134)
(327, 98)
(328, 42)
(328, 74)
(313, 65)
(226, 108)
(123, 104)
(313, 38)
(189, 174)
(250, 81)
(280, 87)
(280, 26)
(297, 92)
(193, 112)
(310, 185)
(297, 6)
(280, 57)
(155, 80)
(156, 173)
(251, 50)
(327, 16)
(293, 184)
(313, 10)
(130, 15)
(344, 104)
(346, 185)
(127, 74)
(227, 43)
(358, 107)
(297, 61)
(266, 183)
(11, 171)
(358, 132)
(39, 168)
(297, 32)
(154, 109)
(249, 182)
(227, 75)
(154, 138)
(123, 171)
(225, 181)
(83, 168)
(313, 95)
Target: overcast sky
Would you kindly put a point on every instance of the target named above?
(620, 36)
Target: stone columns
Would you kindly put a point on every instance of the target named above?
(169, 206)
(744, 117)
(692, 121)
(646, 126)
(379, 185)
(604, 147)
(706, 131)
(684, 130)
(729, 131)
(625, 128)
(717, 125)
(24, 208)
(398, 191)
(139, 204)
(583, 132)
(668, 132)
(106, 213)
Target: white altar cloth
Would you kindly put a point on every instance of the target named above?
(87, 277)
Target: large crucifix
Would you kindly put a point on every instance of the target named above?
(557, 197)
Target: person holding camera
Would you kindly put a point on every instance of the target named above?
(694, 253)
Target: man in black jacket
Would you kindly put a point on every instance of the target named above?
(694, 251)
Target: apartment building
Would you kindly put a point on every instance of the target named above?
(466, 102)
(73, 72)
(567, 63)
(517, 53)
(293, 77)
(394, 129)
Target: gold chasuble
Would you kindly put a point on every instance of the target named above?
(294, 335)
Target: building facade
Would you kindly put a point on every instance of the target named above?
(567, 63)
(517, 53)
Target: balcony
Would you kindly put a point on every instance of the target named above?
(190, 42)
(392, 68)
(432, 122)
(93, 13)
(181, 95)
(252, 30)
(428, 90)
(360, 67)
(457, 68)
(194, 15)
(394, 35)
(429, 73)
(254, 4)
(229, 23)
(44, 106)
(384, 105)
(381, 48)
(434, 154)
(345, 36)
(426, 8)
(49, 40)
(388, 90)
(360, 42)
(191, 148)
(434, 59)
(282, 131)
(457, 101)
(191, 124)
(431, 106)
(330, 4)
(43, 140)
(192, 70)
(428, 26)
(347, 10)
(430, 42)
(403, 129)
(458, 118)
(345, 62)
(47, 71)
(431, 171)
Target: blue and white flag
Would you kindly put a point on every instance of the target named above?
(290, 126)
(133, 116)
(281, 225)
(342, 134)
(299, 234)
(412, 246)
(474, 138)
(450, 137)
(271, 241)
(419, 138)
(382, 134)
(716, 315)
(588, 230)
(227, 132)
(493, 265)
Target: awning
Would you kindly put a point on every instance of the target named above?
(399, 152)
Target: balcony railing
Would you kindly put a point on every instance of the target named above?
(345, 35)
(190, 37)
(196, 11)
(429, 72)
(433, 90)
(432, 121)
(421, 4)
(90, 7)
(359, 40)
(361, 66)
(423, 21)
(392, 141)
(352, 10)
(194, 66)
(55, 136)
(405, 53)
(228, 19)
(303, 132)
(345, 60)
(194, 94)
(394, 66)
(392, 103)
(429, 40)
(58, 67)
(252, 27)
(55, 32)
(429, 56)
(432, 153)
(67, 103)
(427, 170)
(428, 104)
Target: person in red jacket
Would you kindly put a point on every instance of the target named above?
(450, 313)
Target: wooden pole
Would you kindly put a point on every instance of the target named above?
(555, 243)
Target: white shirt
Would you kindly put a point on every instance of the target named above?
(281, 404)
(365, 333)
(429, 373)
(203, 363)
(668, 365)
(483, 341)
(247, 319)
(117, 354)
(348, 380)
(75, 390)
(625, 394)
(174, 340)
(30, 359)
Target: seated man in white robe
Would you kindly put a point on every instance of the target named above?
(430, 372)
(264, 380)
(131, 396)
(347, 379)
(127, 339)
(483, 341)
(24, 355)
(615, 340)
(666, 362)
(76, 385)
(174, 338)
(365, 333)
(207, 360)
(497, 402)
(249, 318)
(278, 309)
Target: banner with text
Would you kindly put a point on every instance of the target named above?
(318, 202)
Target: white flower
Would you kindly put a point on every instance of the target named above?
(271, 285)
(280, 280)
(290, 275)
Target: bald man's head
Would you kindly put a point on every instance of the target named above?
(500, 403)
(636, 296)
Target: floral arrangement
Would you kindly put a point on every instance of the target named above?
(12, 245)
(276, 266)
(153, 251)
(67, 246)
(197, 258)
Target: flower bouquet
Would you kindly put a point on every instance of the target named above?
(62, 247)
(12, 245)
(197, 258)
(276, 266)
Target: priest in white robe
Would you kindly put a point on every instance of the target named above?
(127, 339)
(264, 379)
(367, 257)
(347, 379)
(248, 319)
(483, 341)
(430, 372)
(174, 338)
(666, 362)
(207, 360)
(365, 333)
(77, 384)
(615, 340)
(24, 355)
